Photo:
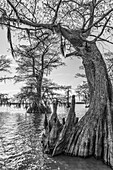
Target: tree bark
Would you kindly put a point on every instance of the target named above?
(53, 128)
(39, 87)
(93, 134)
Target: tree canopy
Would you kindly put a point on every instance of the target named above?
(91, 19)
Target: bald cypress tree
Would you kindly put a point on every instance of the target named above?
(79, 25)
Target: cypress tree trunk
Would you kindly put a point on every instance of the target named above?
(41, 107)
(39, 88)
(37, 104)
(93, 134)
(39, 79)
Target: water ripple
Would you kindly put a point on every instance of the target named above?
(21, 149)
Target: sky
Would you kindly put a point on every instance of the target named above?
(64, 75)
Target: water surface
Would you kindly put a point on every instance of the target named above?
(20, 144)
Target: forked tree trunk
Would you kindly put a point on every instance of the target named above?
(93, 134)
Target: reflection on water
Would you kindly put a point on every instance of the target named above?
(21, 149)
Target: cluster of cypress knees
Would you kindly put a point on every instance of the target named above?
(54, 129)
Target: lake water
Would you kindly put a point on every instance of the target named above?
(20, 143)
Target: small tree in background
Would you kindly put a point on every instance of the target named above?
(49, 92)
(36, 61)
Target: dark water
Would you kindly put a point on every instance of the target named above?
(21, 149)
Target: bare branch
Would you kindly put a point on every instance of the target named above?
(102, 39)
(34, 8)
(56, 12)
(3, 11)
(33, 14)
(15, 7)
(102, 29)
(12, 6)
(23, 21)
(10, 39)
(19, 28)
(29, 23)
(103, 16)
(91, 19)
(98, 2)
(48, 5)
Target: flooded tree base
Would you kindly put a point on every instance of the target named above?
(91, 136)
(39, 109)
(57, 132)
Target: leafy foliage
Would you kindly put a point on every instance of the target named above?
(50, 91)
(4, 64)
